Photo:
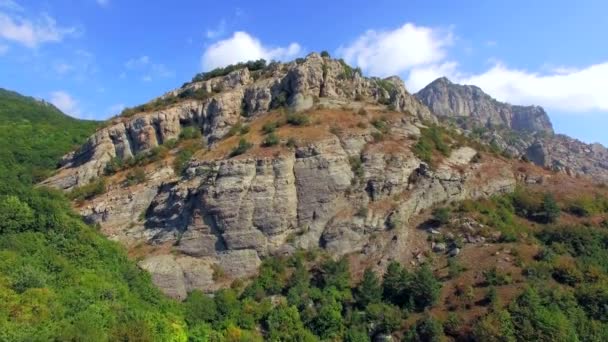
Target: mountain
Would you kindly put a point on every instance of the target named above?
(447, 99)
(521, 131)
(318, 204)
(35, 134)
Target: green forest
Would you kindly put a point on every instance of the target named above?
(61, 280)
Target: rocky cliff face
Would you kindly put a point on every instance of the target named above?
(236, 97)
(521, 131)
(337, 188)
(447, 99)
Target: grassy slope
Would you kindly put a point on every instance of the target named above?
(35, 135)
(59, 278)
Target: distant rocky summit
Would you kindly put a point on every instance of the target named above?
(447, 99)
(520, 131)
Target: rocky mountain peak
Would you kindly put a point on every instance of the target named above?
(448, 99)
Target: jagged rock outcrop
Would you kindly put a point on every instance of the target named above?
(520, 131)
(224, 215)
(230, 99)
(448, 99)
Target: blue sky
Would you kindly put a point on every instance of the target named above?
(93, 57)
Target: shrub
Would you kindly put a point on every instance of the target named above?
(270, 140)
(136, 176)
(495, 278)
(324, 53)
(270, 127)
(15, 215)
(356, 165)
(431, 139)
(381, 125)
(88, 191)
(190, 132)
(441, 215)
(181, 160)
(241, 148)
(298, 119)
(291, 142)
(362, 111)
(217, 72)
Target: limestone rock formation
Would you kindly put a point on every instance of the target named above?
(447, 99)
(230, 99)
(520, 131)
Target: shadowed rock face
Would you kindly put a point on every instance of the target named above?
(231, 99)
(447, 99)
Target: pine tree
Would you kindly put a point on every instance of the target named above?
(369, 290)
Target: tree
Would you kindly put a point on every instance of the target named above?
(199, 308)
(328, 324)
(15, 215)
(425, 287)
(495, 327)
(284, 324)
(385, 318)
(325, 54)
(369, 290)
(550, 208)
(426, 329)
(396, 280)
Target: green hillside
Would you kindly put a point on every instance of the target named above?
(60, 280)
(34, 135)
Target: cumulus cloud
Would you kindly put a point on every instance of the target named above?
(32, 33)
(242, 47)
(565, 89)
(385, 53)
(420, 54)
(66, 103)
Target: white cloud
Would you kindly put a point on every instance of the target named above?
(3, 49)
(218, 31)
(150, 69)
(32, 34)
(419, 77)
(66, 103)
(385, 53)
(565, 89)
(242, 47)
(103, 3)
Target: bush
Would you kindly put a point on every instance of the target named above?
(431, 139)
(270, 127)
(190, 133)
(181, 161)
(217, 72)
(381, 125)
(270, 140)
(325, 54)
(356, 165)
(297, 119)
(291, 142)
(136, 176)
(15, 215)
(441, 215)
(241, 148)
(88, 191)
